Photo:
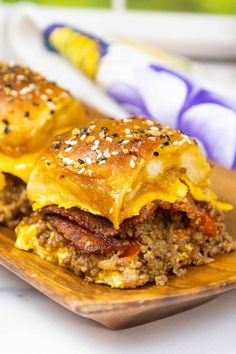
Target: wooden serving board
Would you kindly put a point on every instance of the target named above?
(117, 308)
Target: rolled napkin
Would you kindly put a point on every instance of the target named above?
(144, 86)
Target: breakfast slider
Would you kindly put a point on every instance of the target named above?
(32, 111)
(124, 202)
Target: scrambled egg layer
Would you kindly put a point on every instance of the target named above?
(27, 240)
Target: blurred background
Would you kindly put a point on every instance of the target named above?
(198, 6)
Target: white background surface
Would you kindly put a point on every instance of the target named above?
(30, 323)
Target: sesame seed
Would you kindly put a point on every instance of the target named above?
(75, 131)
(89, 173)
(125, 151)
(44, 97)
(21, 77)
(96, 142)
(125, 142)
(101, 162)
(107, 153)
(88, 160)
(14, 93)
(68, 149)
(115, 153)
(51, 105)
(49, 91)
(92, 126)
(150, 122)
(64, 94)
(83, 137)
(94, 147)
(67, 161)
(111, 210)
(101, 135)
(108, 139)
(27, 89)
(81, 170)
(71, 142)
(132, 163)
(127, 131)
(126, 120)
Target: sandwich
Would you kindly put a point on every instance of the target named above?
(32, 111)
(124, 202)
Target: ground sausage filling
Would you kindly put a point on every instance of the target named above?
(163, 240)
(13, 202)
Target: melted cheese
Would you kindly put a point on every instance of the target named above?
(206, 196)
(27, 240)
(19, 167)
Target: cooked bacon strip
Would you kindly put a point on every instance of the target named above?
(94, 223)
(98, 224)
(103, 228)
(86, 241)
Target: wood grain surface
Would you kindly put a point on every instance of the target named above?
(117, 308)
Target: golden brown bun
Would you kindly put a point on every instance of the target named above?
(115, 167)
(32, 109)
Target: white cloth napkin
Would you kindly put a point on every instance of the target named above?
(23, 45)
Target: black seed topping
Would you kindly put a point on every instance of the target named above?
(48, 163)
(35, 104)
(81, 161)
(49, 100)
(52, 111)
(115, 135)
(26, 114)
(84, 130)
(166, 143)
(5, 121)
(121, 141)
(6, 130)
(56, 146)
(155, 153)
(167, 137)
(104, 159)
(104, 129)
